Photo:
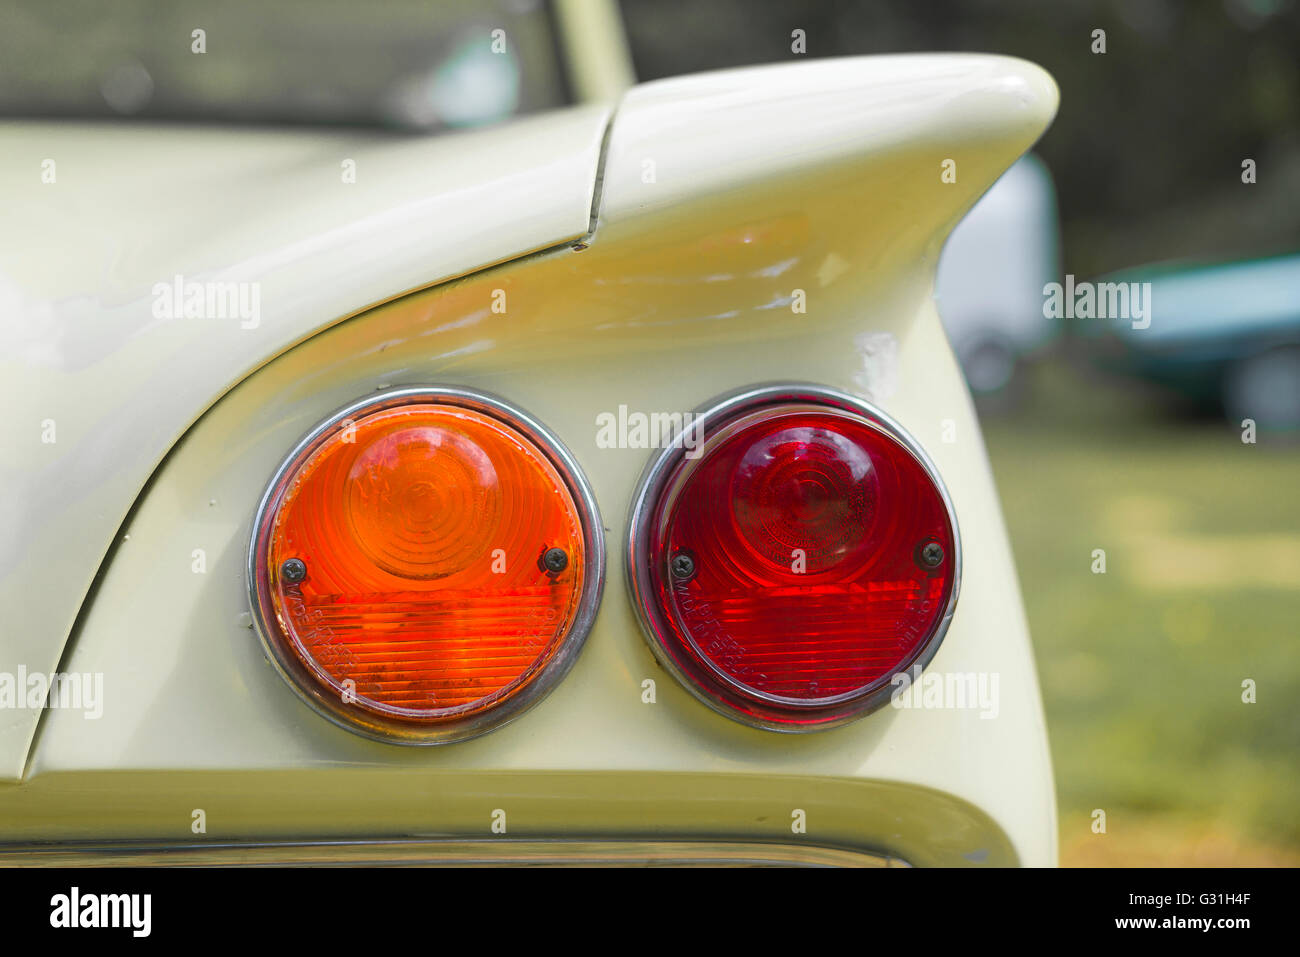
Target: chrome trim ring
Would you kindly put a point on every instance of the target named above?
(712, 419)
(310, 690)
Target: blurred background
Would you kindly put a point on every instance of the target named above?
(1175, 447)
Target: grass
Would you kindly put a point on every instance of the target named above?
(1142, 667)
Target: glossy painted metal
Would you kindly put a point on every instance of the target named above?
(134, 207)
(312, 691)
(711, 138)
(819, 178)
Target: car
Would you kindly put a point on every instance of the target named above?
(596, 486)
(991, 278)
(1224, 335)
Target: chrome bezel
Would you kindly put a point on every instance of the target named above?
(709, 419)
(392, 731)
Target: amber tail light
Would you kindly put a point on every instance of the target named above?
(790, 554)
(426, 565)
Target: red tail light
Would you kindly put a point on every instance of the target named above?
(790, 555)
(426, 565)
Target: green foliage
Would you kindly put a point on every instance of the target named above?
(1142, 667)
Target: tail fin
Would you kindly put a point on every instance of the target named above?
(879, 155)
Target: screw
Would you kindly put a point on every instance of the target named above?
(931, 554)
(683, 566)
(554, 560)
(293, 571)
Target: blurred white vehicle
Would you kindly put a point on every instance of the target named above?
(992, 272)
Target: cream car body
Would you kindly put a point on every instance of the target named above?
(648, 252)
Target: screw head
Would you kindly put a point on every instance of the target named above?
(683, 566)
(932, 555)
(293, 570)
(555, 560)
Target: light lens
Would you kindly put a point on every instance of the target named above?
(802, 558)
(424, 562)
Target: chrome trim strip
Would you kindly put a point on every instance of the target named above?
(709, 417)
(443, 853)
(308, 689)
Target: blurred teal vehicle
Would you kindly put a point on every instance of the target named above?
(1225, 335)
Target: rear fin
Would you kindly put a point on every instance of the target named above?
(882, 154)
